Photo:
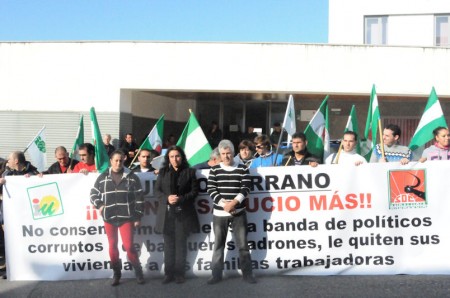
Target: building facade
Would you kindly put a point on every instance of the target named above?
(393, 23)
(131, 84)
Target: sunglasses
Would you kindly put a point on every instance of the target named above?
(260, 146)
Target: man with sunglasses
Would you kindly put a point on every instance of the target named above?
(264, 156)
(64, 164)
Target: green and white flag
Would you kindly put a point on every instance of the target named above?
(38, 151)
(370, 133)
(79, 140)
(352, 125)
(317, 133)
(432, 118)
(289, 123)
(194, 143)
(101, 156)
(154, 139)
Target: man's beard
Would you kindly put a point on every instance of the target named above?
(301, 152)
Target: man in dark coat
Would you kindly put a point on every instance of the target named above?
(64, 163)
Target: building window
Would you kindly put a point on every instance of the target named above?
(375, 30)
(442, 30)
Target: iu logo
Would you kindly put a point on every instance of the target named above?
(407, 188)
(45, 200)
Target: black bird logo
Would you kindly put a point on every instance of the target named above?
(412, 188)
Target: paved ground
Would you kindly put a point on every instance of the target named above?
(267, 286)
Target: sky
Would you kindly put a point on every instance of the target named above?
(303, 21)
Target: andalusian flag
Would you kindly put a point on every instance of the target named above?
(432, 118)
(352, 125)
(317, 133)
(194, 143)
(370, 133)
(154, 139)
(79, 140)
(101, 156)
(289, 123)
(38, 151)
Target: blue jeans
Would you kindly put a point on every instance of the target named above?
(239, 225)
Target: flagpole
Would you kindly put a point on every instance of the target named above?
(278, 146)
(137, 154)
(290, 157)
(289, 120)
(70, 165)
(25, 150)
(336, 161)
(381, 139)
(146, 140)
(71, 155)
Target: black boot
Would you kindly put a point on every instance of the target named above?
(215, 278)
(139, 274)
(117, 269)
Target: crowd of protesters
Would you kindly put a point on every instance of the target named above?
(117, 192)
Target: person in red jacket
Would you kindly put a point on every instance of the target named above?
(86, 165)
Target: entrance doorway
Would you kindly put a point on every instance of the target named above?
(234, 113)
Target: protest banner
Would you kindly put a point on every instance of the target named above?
(332, 219)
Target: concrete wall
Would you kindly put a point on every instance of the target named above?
(76, 76)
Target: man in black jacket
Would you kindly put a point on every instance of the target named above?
(17, 165)
(129, 147)
(299, 155)
(64, 164)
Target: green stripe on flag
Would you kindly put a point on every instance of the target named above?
(154, 139)
(317, 132)
(79, 140)
(194, 143)
(101, 156)
(370, 133)
(432, 118)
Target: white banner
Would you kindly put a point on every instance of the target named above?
(333, 219)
